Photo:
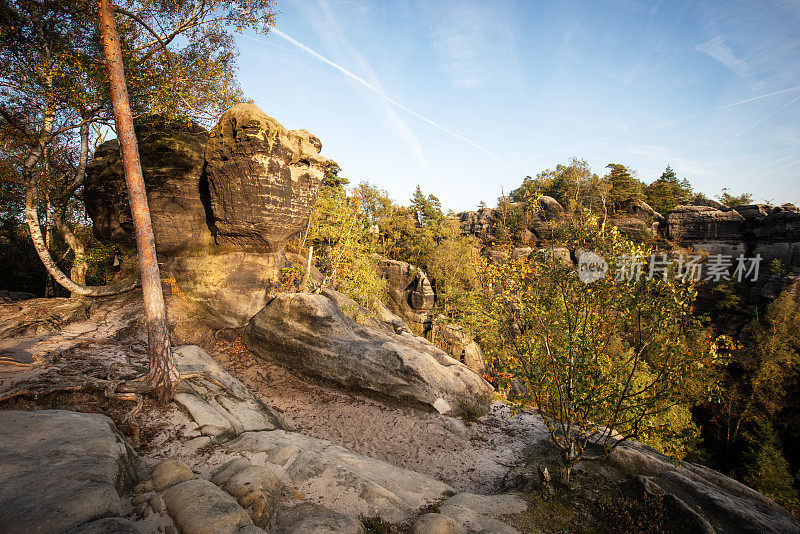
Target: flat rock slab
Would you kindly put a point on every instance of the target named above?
(217, 404)
(59, 470)
(348, 482)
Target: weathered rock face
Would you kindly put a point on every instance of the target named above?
(59, 470)
(249, 185)
(351, 482)
(310, 335)
(452, 339)
(172, 165)
(748, 230)
(233, 286)
(696, 498)
(263, 179)
(411, 294)
(693, 223)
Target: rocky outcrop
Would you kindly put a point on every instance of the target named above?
(353, 483)
(452, 339)
(234, 286)
(543, 215)
(60, 469)
(172, 159)
(638, 218)
(773, 233)
(248, 185)
(696, 498)
(410, 293)
(311, 336)
(263, 179)
(696, 223)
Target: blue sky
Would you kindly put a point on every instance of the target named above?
(466, 98)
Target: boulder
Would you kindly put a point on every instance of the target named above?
(170, 472)
(172, 159)
(263, 179)
(549, 208)
(217, 405)
(697, 496)
(452, 339)
(753, 212)
(257, 489)
(60, 470)
(697, 223)
(310, 335)
(436, 524)
(410, 293)
(199, 507)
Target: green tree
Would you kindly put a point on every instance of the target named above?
(731, 200)
(668, 191)
(767, 471)
(604, 361)
(624, 187)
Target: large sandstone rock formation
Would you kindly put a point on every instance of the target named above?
(59, 470)
(310, 335)
(263, 179)
(748, 230)
(248, 185)
(172, 159)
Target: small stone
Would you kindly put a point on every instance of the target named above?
(170, 472)
(436, 524)
(170, 529)
(139, 499)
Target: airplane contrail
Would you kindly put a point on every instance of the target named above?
(665, 123)
(376, 90)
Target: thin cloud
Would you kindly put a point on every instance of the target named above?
(718, 50)
(377, 91)
(666, 123)
(328, 28)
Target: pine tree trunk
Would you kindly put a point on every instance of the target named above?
(163, 374)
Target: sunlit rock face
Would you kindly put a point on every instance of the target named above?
(263, 179)
(172, 165)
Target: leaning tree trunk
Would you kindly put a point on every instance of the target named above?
(163, 374)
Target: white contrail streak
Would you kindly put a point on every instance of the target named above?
(667, 122)
(759, 121)
(375, 90)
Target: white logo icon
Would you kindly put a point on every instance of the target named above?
(591, 267)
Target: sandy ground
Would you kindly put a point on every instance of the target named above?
(473, 457)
